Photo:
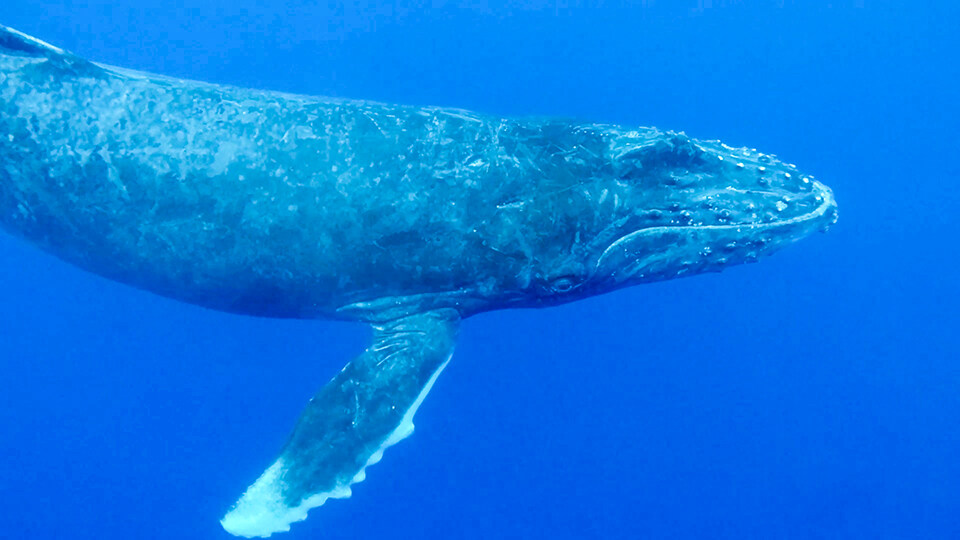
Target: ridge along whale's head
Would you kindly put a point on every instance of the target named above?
(653, 205)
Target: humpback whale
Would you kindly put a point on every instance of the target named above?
(408, 219)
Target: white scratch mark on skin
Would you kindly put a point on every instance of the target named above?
(603, 196)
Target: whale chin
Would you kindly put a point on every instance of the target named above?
(671, 251)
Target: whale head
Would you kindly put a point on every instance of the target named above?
(660, 205)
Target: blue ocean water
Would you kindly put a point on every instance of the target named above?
(813, 395)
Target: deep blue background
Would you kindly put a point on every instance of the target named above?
(814, 395)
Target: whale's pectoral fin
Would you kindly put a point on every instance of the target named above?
(366, 408)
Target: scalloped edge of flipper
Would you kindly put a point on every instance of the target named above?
(261, 511)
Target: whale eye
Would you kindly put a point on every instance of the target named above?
(563, 284)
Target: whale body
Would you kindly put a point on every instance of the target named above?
(410, 219)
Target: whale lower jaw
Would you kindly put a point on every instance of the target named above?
(667, 252)
(823, 215)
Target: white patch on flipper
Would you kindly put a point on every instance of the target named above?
(261, 511)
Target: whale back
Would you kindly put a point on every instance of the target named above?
(241, 200)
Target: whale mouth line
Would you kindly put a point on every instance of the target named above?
(822, 209)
